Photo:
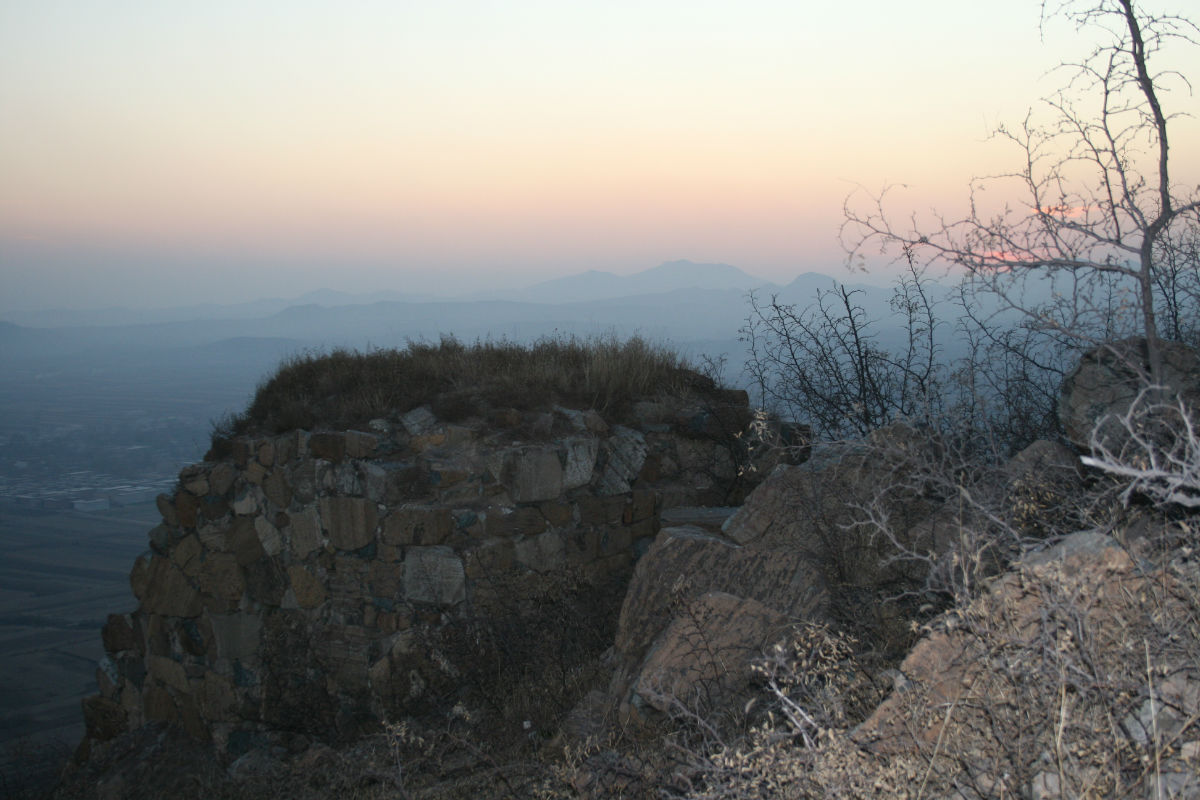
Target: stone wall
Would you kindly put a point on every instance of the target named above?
(298, 583)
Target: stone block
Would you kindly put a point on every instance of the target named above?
(434, 575)
(327, 446)
(169, 592)
(221, 582)
(374, 480)
(625, 453)
(117, 634)
(533, 474)
(542, 553)
(419, 421)
(349, 522)
(187, 509)
(304, 532)
(186, 554)
(237, 635)
(268, 536)
(168, 672)
(418, 525)
(512, 523)
(166, 507)
(221, 478)
(246, 503)
(306, 587)
(104, 719)
(490, 558)
(385, 580)
(360, 444)
(242, 540)
(278, 492)
(579, 462)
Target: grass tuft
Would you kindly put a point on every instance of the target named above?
(344, 388)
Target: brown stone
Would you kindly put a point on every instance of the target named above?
(117, 634)
(220, 479)
(360, 444)
(513, 523)
(557, 514)
(277, 490)
(169, 592)
(304, 532)
(329, 446)
(221, 582)
(265, 454)
(309, 591)
(705, 652)
(385, 580)
(103, 719)
(242, 540)
(489, 559)
(166, 507)
(186, 554)
(349, 521)
(187, 508)
(420, 525)
(139, 577)
(167, 671)
(215, 697)
(159, 705)
(684, 563)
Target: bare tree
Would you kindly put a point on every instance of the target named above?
(1098, 200)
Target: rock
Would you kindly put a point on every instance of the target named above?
(685, 563)
(434, 575)
(704, 654)
(532, 474)
(624, 455)
(708, 518)
(580, 462)
(421, 525)
(328, 446)
(1108, 378)
(304, 534)
(419, 421)
(169, 592)
(307, 589)
(349, 521)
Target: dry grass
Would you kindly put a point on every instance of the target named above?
(345, 388)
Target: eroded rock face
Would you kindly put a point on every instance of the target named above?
(311, 583)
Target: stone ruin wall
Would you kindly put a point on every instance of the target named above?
(295, 581)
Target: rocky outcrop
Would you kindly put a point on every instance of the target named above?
(1108, 378)
(314, 583)
(699, 598)
(1074, 663)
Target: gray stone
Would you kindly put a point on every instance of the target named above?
(419, 421)
(580, 462)
(237, 635)
(625, 453)
(304, 532)
(533, 474)
(434, 575)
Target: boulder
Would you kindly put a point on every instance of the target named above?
(1108, 378)
(703, 656)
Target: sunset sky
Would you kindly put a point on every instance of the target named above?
(173, 153)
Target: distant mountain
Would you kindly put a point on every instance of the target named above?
(118, 315)
(666, 277)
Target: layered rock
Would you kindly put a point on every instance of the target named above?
(307, 583)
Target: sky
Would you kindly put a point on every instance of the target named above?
(157, 154)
